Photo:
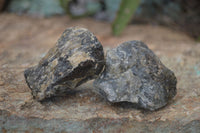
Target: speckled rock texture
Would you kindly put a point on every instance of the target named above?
(76, 58)
(84, 111)
(135, 74)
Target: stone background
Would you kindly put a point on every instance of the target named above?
(24, 41)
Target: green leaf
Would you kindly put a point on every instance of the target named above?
(64, 4)
(127, 9)
(198, 38)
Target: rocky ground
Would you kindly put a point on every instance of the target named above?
(24, 41)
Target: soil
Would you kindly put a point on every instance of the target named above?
(25, 40)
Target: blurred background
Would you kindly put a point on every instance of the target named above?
(182, 15)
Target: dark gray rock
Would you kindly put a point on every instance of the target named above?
(135, 74)
(76, 58)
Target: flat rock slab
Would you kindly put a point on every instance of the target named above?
(83, 110)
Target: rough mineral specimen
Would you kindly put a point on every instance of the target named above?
(76, 58)
(135, 74)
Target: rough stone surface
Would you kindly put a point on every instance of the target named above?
(12, 123)
(135, 74)
(76, 58)
(85, 111)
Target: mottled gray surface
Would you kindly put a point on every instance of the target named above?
(76, 58)
(135, 74)
(12, 123)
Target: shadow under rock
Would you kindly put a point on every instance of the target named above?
(126, 105)
(60, 98)
(129, 105)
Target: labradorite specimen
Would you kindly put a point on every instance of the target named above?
(76, 58)
(135, 74)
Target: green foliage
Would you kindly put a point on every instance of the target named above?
(127, 9)
(64, 4)
(198, 38)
